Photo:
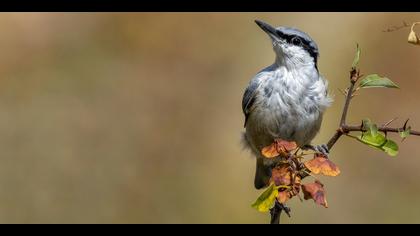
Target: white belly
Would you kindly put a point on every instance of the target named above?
(283, 116)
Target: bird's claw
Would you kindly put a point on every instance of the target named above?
(321, 149)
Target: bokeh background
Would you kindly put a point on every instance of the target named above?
(136, 117)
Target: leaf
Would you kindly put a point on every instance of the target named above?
(404, 133)
(356, 57)
(376, 81)
(370, 127)
(266, 200)
(283, 196)
(281, 175)
(278, 147)
(316, 192)
(322, 165)
(270, 151)
(412, 36)
(391, 148)
(375, 141)
(379, 142)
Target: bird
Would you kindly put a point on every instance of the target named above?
(285, 100)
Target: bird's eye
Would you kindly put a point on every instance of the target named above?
(296, 41)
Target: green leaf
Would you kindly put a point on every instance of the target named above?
(267, 199)
(375, 141)
(376, 81)
(391, 148)
(379, 142)
(370, 127)
(404, 133)
(356, 57)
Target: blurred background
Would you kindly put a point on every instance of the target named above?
(136, 118)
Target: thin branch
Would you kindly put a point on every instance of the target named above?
(354, 76)
(350, 128)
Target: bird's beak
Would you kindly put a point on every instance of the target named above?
(270, 30)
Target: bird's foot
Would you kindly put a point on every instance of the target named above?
(321, 149)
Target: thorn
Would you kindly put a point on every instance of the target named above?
(405, 124)
(389, 122)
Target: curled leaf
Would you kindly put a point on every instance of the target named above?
(278, 147)
(379, 142)
(375, 141)
(376, 81)
(322, 165)
(356, 57)
(391, 148)
(266, 200)
(316, 192)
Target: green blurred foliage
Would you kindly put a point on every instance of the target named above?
(136, 117)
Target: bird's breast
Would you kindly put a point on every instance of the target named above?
(287, 109)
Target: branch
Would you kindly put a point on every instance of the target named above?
(354, 76)
(276, 212)
(342, 129)
(345, 129)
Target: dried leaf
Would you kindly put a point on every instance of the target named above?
(278, 147)
(412, 37)
(322, 165)
(270, 151)
(281, 175)
(283, 196)
(316, 192)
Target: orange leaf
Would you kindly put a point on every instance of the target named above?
(322, 165)
(281, 175)
(270, 151)
(283, 196)
(278, 147)
(316, 192)
(286, 146)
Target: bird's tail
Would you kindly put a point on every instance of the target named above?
(262, 174)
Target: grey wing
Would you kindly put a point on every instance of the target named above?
(249, 98)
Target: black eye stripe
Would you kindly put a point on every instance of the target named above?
(290, 37)
(304, 43)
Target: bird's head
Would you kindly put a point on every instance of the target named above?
(292, 46)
